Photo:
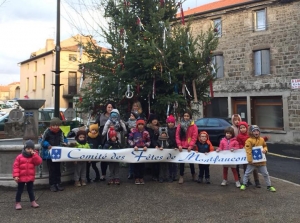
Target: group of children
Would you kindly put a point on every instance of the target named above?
(184, 136)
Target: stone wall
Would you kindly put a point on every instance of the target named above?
(238, 42)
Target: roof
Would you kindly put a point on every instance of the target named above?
(214, 6)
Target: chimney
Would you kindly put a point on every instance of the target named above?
(49, 44)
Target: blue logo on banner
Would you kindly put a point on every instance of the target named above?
(56, 154)
(257, 154)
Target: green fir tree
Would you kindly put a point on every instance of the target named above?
(153, 55)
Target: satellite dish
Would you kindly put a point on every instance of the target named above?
(70, 114)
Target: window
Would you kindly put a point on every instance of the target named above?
(218, 26)
(44, 61)
(218, 64)
(201, 122)
(28, 66)
(72, 83)
(213, 122)
(218, 107)
(267, 112)
(35, 66)
(261, 62)
(43, 81)
(27, 84)
(72, 57)
(260, 20)
(34, 83)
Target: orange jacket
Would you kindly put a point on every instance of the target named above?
(199, 144)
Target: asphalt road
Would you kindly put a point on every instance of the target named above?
(284, 168)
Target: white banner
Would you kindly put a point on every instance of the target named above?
(128, 155)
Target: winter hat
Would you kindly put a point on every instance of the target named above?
(94, 127)
(140, 121)
(152, 117)
(80, 132)
(254, 127)
(112, 133)
(55, 121)
(135, 114)
(170, 119)
(244, 124)
(29, 144)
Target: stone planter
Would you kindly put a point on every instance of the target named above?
(8, 153)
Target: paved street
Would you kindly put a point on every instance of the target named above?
(155, 202)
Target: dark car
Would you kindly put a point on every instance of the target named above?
(214, 127)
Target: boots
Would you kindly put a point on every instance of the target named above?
(180, 181)
(207, 181)
(257, 184)
(34, 204)
(59, 187)
(53, 188)
(18, 206)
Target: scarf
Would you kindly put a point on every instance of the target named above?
(93, 136)
(25, 154)
(82, 142)
(55, 130)
(185, 124)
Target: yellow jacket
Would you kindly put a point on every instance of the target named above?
(249, 144)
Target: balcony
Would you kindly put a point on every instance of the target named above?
(69, 91)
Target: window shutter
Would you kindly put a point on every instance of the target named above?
(265, 62)
(220, 66)
(257, 63)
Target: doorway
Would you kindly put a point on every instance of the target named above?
(239, 106)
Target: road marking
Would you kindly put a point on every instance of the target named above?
(289, 157)
(286, 181)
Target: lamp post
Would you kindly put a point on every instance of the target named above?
(57, 63)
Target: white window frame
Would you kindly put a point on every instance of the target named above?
(260, 24)
(262, 60)
(218, 24)
(218, 66)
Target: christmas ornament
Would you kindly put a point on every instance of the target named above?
(129, 93)
(194, 91)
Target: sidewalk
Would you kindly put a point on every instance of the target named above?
(158, 202)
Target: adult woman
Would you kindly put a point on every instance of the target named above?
(101, 120)
(186, 137)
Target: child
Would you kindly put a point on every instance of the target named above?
(131, 123)
(172, 144)
(94, 139)
(114, 121)
(53, 136)
(186, 137)
(256, 140)
(229, 142)
(113, 143)
(80, 166)
(139, 138)
(162, 143)
(241, 138)
(153, 129)
(24, 172)
(235, 120)
(203, 145)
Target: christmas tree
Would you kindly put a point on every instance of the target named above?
(153, 58)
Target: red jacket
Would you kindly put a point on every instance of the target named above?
(24, 167)
(191, 136)
(228, 144)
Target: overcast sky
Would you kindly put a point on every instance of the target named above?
(26, 24)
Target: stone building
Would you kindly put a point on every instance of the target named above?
(258, 60)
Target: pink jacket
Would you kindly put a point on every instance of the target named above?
(191, 136)
(228, 144)
(24, 168)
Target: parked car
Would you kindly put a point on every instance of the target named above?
(214, 127)
(3, 119)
